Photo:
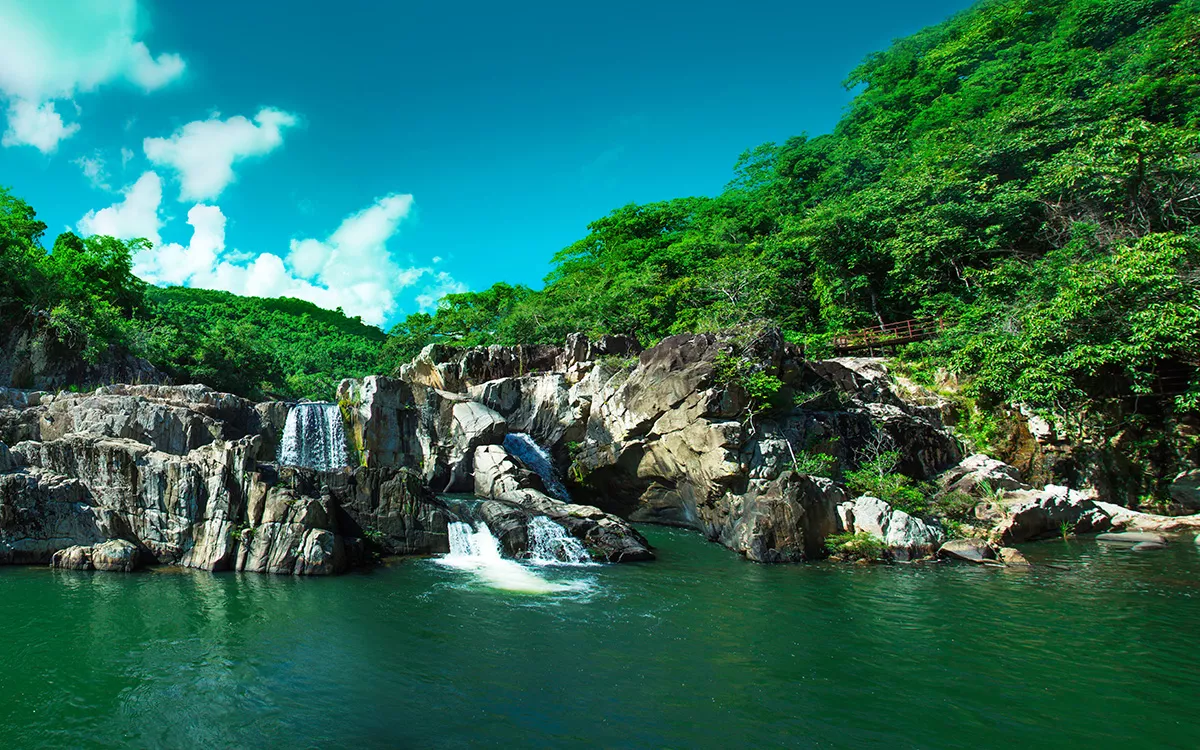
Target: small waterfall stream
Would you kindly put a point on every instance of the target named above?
(474, 549)
(314, 438)
(535, 457)
(550, 544)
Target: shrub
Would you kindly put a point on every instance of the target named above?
(859, 546)
(878, 477)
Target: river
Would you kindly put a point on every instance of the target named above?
(697, 649)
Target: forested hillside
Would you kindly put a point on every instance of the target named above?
(1028, 169)
(81, 301)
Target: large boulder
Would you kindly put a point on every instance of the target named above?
(968, 550)
(1132, 520)
(904, 537)
(1028, 514)
(979, 472)
(115, 555)
(1185, 489)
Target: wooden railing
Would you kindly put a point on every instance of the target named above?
(888, 335)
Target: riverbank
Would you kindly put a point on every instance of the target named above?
(699, 648)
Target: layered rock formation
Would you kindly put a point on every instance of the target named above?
(175, 474)
(661, 439)
(681, 435)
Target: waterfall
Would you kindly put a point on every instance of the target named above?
(314, 438)
(549, 543)
(535, 457)
(475, 550)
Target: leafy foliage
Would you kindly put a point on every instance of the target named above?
(878, 477)
(859, 546)
(1028, 168)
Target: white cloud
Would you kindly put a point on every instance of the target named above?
(203, 152)
(173, 263)
(36, 125)
(136, 215)
(126, 156)
(442, 284)
(54, 51)
(94, 169)
(352, 268)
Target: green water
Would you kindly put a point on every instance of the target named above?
(699, 649)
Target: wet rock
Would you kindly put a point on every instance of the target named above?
(501, 477)
(73, 558)
(115, 555)
(970, 550)
(540, 405)
(1132, 520)
(1013, 557)
(1132, 537)
(1146, 546)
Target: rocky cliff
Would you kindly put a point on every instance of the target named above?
(590, 435)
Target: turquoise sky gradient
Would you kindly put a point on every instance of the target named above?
(511, 126)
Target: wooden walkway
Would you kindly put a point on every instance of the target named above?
(887, 336)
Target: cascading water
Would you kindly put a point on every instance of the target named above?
(550, 544)
(535, 457)
(314, 438)
(475, 550)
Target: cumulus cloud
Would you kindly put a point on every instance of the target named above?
(203, 152)
(351, 269)
(37, 125)
(135, 215)
(54, 51)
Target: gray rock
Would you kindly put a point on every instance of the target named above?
(1146, 547)
(1028, 514)
(1185, 489)
(1013, 558)
(904, 537)
(116, 555)
(73, 558)
(501, 477)
(979, 471)
(1132, 537)
(970, 550)
(540, 405)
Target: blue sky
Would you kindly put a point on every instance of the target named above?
(374, 155)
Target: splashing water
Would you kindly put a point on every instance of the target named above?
(535, 457)
(550, 544)
(476, 551)
(314, 438)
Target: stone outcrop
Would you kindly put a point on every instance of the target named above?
(1132, 520)
(904, 537)
(968, 550)
(668, 443)
(176, 475)
(1029, 514)
(115, 555)
(978, 474)
(501, 477)
(658, 439)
